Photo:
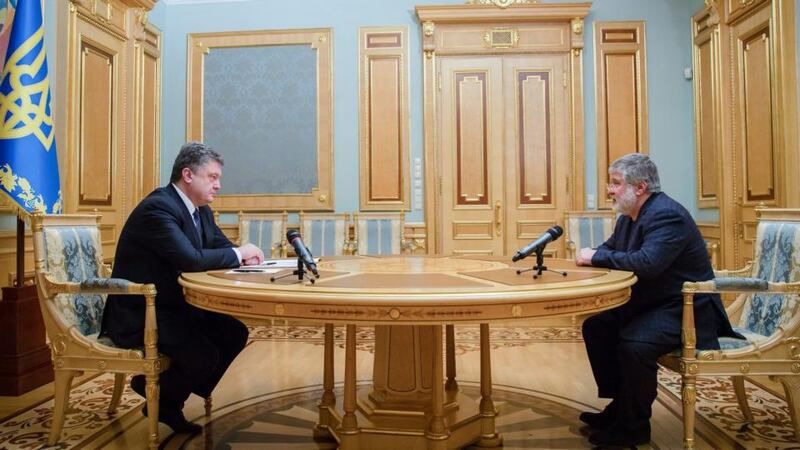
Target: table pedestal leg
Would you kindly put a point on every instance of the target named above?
(437, 432)
(489, 436)
(328, 400)
(348, 429)
(451, 385)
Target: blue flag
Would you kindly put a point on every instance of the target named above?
(28, 161)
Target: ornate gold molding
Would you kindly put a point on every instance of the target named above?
(501, 3)
(577, 25)
(427, 28)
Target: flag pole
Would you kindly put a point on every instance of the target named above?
(20, 251)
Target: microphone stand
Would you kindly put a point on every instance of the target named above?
(540, 267)
(300, 272)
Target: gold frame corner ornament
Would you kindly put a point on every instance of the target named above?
(427, 28)
(501, 3)
(577, 25)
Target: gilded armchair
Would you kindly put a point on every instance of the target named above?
(379, 234)
(765, 313)
(325, 234)
(587, 229)
(265, 231)
(72, 283)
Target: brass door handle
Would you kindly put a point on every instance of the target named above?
(497, 218)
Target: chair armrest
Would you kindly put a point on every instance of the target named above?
(720, 285)
(739, 284)
(744, 271)
(113, 286)
(99, 286)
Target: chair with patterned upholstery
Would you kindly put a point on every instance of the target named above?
(265, 231)
(587, 229)
(379, 233)
(72, 283)
(765, 313)
(325, 234)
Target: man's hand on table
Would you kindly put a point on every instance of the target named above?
(584, 257)
(251, 255)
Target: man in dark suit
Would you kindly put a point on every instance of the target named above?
(172, 231)
(656, 239)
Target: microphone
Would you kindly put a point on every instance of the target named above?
(293, 236)
(549, 236)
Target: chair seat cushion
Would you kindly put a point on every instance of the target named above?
(731, 343)
(105, 340)
(751, 338)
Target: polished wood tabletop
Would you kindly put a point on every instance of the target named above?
(413, 290)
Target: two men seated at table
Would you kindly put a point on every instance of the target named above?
(172, 231)
(656, 239)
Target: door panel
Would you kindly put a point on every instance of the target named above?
(471, 155)
(755, 151)
(536, 148)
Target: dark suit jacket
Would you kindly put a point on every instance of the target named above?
(157, 243)
(664, 248)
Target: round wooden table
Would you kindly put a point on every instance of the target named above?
(408, 299)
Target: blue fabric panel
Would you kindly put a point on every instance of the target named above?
(584, 233)
(80, 260)
(260, 233)
(742, 284)
(774, 265)
(329, 240)
(598, 236)
(729, 343)
(316, 241)
(260, 107)
(373, 237)
(385, 226)
(117, 285)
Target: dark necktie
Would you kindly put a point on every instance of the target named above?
(196, 220)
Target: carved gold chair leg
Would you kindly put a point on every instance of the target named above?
(63, 383)
(119, 386)
(207, 404)
(791, 385)
(688, 390)
(152, 392)
(741, 397)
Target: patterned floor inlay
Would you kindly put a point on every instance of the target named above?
(86, 417)
(527, 420)
(467, 337)
(716, 404)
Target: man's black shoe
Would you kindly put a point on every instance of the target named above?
(177, 421)
(601, 420)
(618, 436)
